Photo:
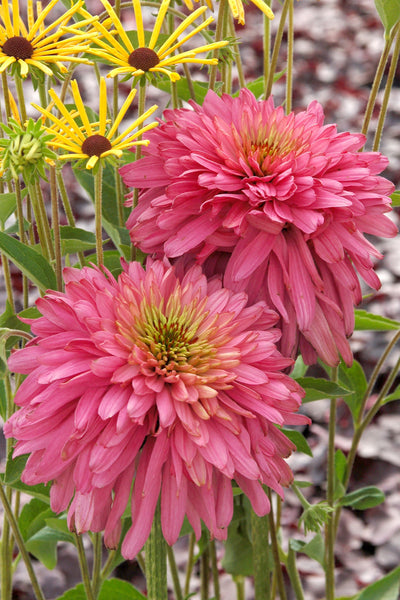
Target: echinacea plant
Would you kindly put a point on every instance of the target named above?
(187, 242)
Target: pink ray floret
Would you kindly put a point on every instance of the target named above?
(278, 203)
(162, 380)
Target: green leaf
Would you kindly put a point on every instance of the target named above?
(10, 320)
(386, 588)
(368, 321)
(299, 369)
(116, 589)
(43, 545)
(299, 440)
(76, 593)
(200, 89)
(314, 549)
(353, 378)
(340, 465)
(12, 477)
(30, 262)
(389, 13)
(32, 517)
(395, 197)
(8, 204)
(317, 389)
(366, 497)
(238, 557)
(74, 239)
(119, 236)
(393, 396)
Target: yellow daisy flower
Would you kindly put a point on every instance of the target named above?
(153, 57)
(237, 9)
(37, 45)
(81, 139)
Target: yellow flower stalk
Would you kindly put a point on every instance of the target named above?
(36, 45)
(154, 57)
(82, 139)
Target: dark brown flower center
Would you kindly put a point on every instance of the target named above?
(95, 145)
(18, 47)
(143, 59)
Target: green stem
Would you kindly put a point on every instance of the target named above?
(56, 228)
(21, 234)
(236, 53)
(7, 279)
(266, 49)
(205, 575)
(156, 560)
(294, 575)
(240, 590)
(20, 543)
(275, 551)
(262, 567)
(174, 573)
(7, 105)
(98, 196)
(189, 81)
(21, 98)
(290, 54)
(84, 568)
(39, 221)
(108, 565)
(44, 98)
(141, 110)
(67, 209)
(277, 45)
(222, 8)
(97, 559)
(190, 563)
(214, 570)
(330, 496)
(377, 82)
(6, 559)
(375, 373)
(388, 89)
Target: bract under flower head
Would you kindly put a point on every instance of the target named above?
(278, 203)
(169, 381)
(38, 46)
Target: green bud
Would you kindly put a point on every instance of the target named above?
(25, 152)
(315, 516)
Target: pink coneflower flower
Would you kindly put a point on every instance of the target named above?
(173, 383)
(279, 202)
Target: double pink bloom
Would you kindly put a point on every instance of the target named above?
(171, 382)
(277, 203)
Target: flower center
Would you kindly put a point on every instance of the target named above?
(271, 143)
(143, 59)
(95, 145)
(172, 340)
(18, 47)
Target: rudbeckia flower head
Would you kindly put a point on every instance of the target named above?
(82, 139)
(277, 203)
(37, 46)
(160, 378)
(154, 56)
